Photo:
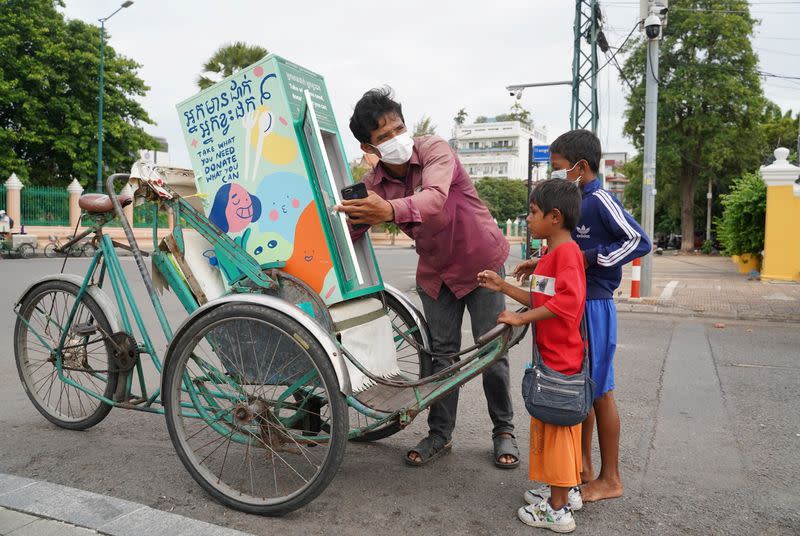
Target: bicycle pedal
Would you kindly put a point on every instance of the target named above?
(85, 330)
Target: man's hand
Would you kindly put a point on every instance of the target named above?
(491, 280)
(511, 318)
(370, 210)
(524, 269)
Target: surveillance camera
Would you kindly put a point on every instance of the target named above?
(652, 26)
(512, 93)
(519, 95)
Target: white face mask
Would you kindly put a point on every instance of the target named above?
(396, 150)
(562, 174)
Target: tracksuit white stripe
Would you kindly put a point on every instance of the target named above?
(633, 237)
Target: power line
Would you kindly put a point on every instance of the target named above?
(712, 10)
(621, 46)
(776, 51)
(780, 38)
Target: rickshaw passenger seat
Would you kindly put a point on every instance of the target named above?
(100, 203)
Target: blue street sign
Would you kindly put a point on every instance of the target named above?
(541, 153)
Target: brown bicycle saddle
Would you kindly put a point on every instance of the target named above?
(98, 203)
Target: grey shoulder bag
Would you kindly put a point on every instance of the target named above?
(556, 398)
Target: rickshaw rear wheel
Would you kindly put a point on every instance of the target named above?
(413, 363)
(253, 408)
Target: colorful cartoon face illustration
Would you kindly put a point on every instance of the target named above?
(285, 196)
(310, 260)
(234, 208)
(267, 248)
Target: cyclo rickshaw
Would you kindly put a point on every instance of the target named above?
(264, 382)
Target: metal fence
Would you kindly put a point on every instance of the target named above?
(143, 216)
(41, 205)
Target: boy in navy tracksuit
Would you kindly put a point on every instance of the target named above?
(608, 237)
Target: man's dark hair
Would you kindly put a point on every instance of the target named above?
(563, 195)
(370, 108)
(578, 145)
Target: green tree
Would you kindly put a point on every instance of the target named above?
(423, 127)
(505, 198)
(710, 102)
(780, 130)
(358, 171)
(517, 113)
(461, 117)
(741, 228)
(228, 59)
(48, 97)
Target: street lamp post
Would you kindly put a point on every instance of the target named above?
(99, 185)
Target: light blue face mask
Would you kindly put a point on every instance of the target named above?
(562, 174)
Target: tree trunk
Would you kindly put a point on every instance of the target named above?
(688, 187)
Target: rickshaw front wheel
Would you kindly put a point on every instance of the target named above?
(253, 408)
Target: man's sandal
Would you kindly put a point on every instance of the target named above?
(505, 444)
(428, 450)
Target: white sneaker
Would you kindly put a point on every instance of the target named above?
(537, 495)
(542, 515)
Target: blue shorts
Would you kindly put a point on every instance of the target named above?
(601, 325)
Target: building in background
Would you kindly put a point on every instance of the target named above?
(158, 155)
(498, 148)
(611, 168)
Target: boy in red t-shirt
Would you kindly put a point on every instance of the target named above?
(556, 299)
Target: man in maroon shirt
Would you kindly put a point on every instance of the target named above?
(421, 186)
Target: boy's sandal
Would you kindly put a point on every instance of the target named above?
(505, 444)
(428, 450)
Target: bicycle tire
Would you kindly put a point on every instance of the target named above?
(248, 413)
(50, 250)
(25, 341)
(26, 251)
(402, 322)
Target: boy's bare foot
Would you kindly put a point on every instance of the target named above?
(587, 476)
(600, 489)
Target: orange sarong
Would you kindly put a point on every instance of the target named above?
(555, 454)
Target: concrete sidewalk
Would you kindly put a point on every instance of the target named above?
(712, 287)
(34, 508)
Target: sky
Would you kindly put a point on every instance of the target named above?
(438, 56)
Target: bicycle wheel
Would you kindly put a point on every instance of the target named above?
(50, 250)
(88, 250)
(253, 409)
(85, 358)
(413, 364)
(26, 251)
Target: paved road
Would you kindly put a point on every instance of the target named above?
(711, 436)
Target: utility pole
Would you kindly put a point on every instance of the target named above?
(652, 29)
(709, 196)
(584, 112)
(528, 241)
(100, 93)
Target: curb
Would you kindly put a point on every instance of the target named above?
(630, 305)
(102, 513)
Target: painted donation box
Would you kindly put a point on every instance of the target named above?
(269, 165)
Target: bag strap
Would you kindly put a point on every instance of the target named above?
(586, 367)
